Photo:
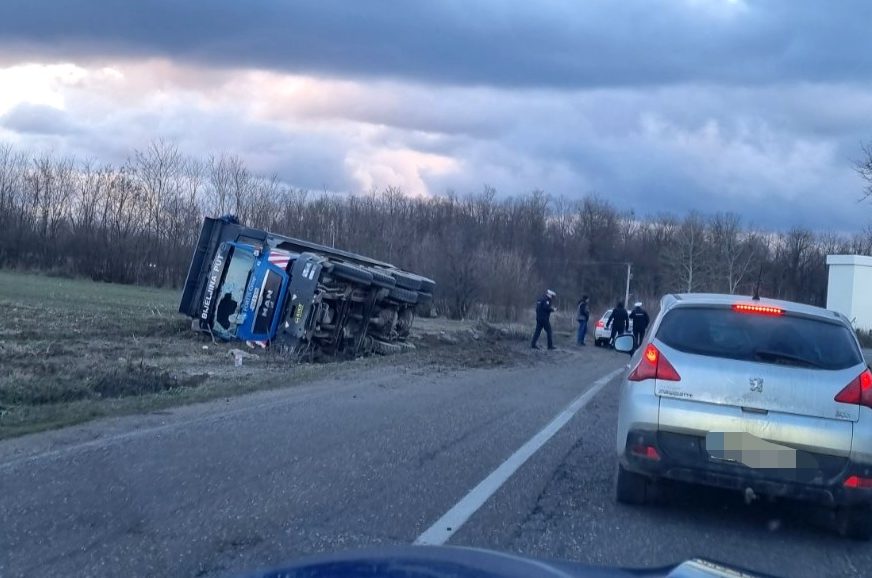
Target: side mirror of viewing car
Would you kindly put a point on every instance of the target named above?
(624, 344)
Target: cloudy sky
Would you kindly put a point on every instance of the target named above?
(754, 106)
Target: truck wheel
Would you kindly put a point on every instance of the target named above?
(631, 488)
(385, 348)
(406, 280)
(427, 285)
(403, 295)
(382, 279)
(351, 273)
(855, 522)
(405, 346)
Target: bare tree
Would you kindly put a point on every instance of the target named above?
(158, 168)
(13, 217)
(232, 185)
(505, 272)
(864, 168)
(688, 254)
(733, 248)
(266, 197)
(489, 253)
(11, 171)
(219, 179)
(861, 243)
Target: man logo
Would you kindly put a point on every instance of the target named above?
(756, 384)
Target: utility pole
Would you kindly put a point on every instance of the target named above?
(627, 293)
(629, 267)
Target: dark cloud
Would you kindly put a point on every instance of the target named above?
(490, 42)
(767, 155)
(39, 120)
(659, 106)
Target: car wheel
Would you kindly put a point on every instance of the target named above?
(855, 522)
(631, 488)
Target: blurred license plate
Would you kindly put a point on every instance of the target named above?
(748, 449)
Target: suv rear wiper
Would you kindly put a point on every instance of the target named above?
(767, 355)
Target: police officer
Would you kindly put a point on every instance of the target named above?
(617, 321)
(583, 314)
(640, 320)
(544, 309)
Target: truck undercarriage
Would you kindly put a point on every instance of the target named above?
(309, 301)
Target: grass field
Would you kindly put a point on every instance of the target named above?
(73, 350)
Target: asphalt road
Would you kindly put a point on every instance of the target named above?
(375, 457)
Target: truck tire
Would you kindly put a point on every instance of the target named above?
(407, 280)
(403, 295)
(854, 522)
(427, 285)
(382, 279)
(405, 346)
(351, 273)
(385, 348)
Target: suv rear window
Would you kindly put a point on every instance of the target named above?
(784, 340)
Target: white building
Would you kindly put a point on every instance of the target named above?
(849, 290)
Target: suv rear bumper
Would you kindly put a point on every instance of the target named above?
(691, 463)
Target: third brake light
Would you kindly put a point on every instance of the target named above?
(754, 308)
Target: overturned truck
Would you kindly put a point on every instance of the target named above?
(305, 299)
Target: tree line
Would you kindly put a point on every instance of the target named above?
(491, 255)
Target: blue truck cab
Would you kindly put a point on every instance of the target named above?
(245, 294)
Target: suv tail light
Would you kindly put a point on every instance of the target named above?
(859, 391)
(858, 482)
(645, 451)
(600, 324)
(653, 365)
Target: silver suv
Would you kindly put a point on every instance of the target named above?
(763, 396)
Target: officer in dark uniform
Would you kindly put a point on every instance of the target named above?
(618, 321)
(640, 320)
(543, 319)
(583, 315)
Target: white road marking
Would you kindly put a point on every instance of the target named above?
(442, 530)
